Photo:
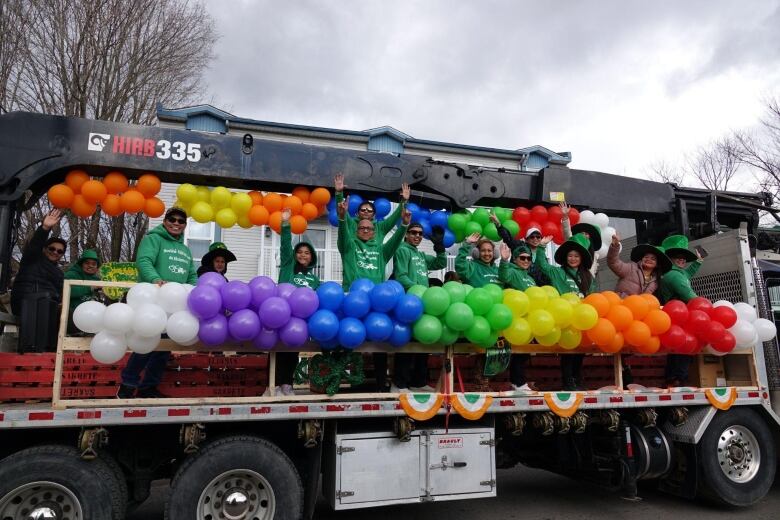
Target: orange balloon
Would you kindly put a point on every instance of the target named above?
(298, 224)
(620, 316)
(132, 201)
(599, 302)
(256, 196)
(638, 305)
(319, 197)
(115, 182)
(602, 333)
(272, 202)
(111, 205)
(612, 297)
(148, 185)
(258, 215)
(294, 204)
(652, 300)
(658, 321)
(93, 191)
(60, 196)
(309, 211)
(154, 207)
(637, 333)
(275, 221)
(323, 210)
(302, 193)
(651, 346)
(81, 207)
(75, 178)
(615, 344)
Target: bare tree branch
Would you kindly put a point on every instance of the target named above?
(663, 171)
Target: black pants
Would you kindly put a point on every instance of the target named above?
(285, 367)
(380, 370)
(517, 364)
(410, 370)
(677, 368)
(571, 367)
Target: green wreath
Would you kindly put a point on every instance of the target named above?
(327, 370)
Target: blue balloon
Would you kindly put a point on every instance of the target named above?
(439, 218)
(323, 325)
(330, 295)
(382, 207)
(384, 296)
(356, 304)
(449, 237)
(352, 333)
(330, 344)
(408, 309)
(333, 218)
(402, 335)
(379, 326)
(426, 225)
(361, 284)
(355, 201)
(414, 209)
(396, 285)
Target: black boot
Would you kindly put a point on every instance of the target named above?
(570, 384)
(125, 392)
(150, 392)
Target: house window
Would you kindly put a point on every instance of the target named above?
(199, 237)
(316, 236)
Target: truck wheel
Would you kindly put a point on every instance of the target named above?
(52, 481)
(236, 478)
(737, 457)
(119, 491)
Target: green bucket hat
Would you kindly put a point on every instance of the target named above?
(217, 249)
(677, 245)
(664, 264)
(579, 243)
(593, 231)
(89, 254)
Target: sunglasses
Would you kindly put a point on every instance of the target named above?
(176, 220)
(415, 233)
(535, 236)
(55, 250)
(365, 228)
(524, 258)
(366, 209)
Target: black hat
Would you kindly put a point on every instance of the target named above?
(593, 231)
(176, 211)
(217, 249)
(664, 264)
(579, 243)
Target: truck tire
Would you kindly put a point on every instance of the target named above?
(737, 458)
(52, 481)
(259, 480)
(119, 492)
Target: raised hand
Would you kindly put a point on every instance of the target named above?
(616, 239)
(494, 219)
(565, 208)
(338, 182)
(546, 240)
(286, 215)
(52, 219)
(473, 238)
(406, 192)
(506, 253)
(341, 208)
(406, 217)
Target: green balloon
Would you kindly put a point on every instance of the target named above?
(448, 336)
(460, 236)
(468, 287)
(435, 301)
(499, 317)
(417, 290)
(473, 227)
(480, 216)
(457, 292)
(480, 301)
(490, 231)
(479, 332)
(466, 214)
(427, 329)
(511, 226)
(459, 316)
(456, 222)
(500, 213)
(495, 292)
(491, 341)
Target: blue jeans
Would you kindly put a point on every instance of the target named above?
(152, 365)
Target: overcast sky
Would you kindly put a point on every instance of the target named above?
(619, 84)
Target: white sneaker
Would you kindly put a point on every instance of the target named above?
(427, 389)
(523, 388)
(395, 390)
(287, 390)
(267, 392)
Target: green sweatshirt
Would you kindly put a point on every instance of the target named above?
(676, 284)
(380, 228)
(411, 266)
(513, 276)
(475, 272)
(80, 294)
(564, 279)
(301, 277)
(164, 258)
(365, 259)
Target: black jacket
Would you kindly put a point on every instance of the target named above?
(37, 274)
(539, 277)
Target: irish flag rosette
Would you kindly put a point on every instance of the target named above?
(421, 407)
(721, 398)
(471, 406)
(563, 404)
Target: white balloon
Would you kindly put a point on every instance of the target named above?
(743, 332)
(604, 249)
(141, 294)
(88, 316)
(149, 320)
(607, 233)
(142, 344)
(766, 329)
(712, 352)
(172, 297)
(586, 217)
(190, 342)
(723, 303)
(189, 287)
(745, 311)
(108, 347)
(183, 327)
(118, 318)
(601, 220)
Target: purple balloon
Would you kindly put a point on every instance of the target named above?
(244, 325)
(213, 279)
(236, 295)
(266, 340)
(204, 301)
(303, 302)
(274, 312)
(214, 331)
(295, 333)
(261, 288)
(285, 290)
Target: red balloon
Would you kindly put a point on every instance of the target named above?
(725, 315)
(558, 236)
(691, 345)
(715, 331)
(521, 215)
(550, 228)
(674, 338)
(725, 343)
(574, 216)
(700, 303)
(539, 213)
(554, 214)
(698, 323)
(677, 311)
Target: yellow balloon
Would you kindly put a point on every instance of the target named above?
(571, 298)
(541, 322)
(204, 194)
(226, 218)
(570, 338)
(537, 298)
(241, 203)
(517, 301)
(178, 203)
(584, 316)
(187, 193)
(202, 212)
(551, 291)
(244, 222)
(518, 333)
(561, 310)
(550, 339)
(220, 198)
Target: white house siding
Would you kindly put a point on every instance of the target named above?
(245, 244)
(316, 141)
